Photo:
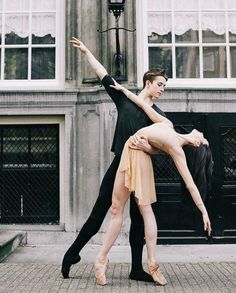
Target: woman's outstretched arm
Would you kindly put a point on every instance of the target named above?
(152, 114)
(179, 159)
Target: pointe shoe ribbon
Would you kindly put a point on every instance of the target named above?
(156, 274)
(100, 270)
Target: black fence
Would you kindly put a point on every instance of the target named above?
(29, 174)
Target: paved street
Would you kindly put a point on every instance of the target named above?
(22, 272)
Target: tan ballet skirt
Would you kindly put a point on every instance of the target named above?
(139, 176)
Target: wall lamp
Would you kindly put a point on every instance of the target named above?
(117, 7)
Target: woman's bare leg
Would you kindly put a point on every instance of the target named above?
(119, 199)
(150, 230)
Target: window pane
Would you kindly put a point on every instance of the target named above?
(232, 27)
(233, 61)
(186, 4)
(187, 62)
(213, 28)
(212, 4)
(15, 140)
(210, 37)
(43, 147)
(43, 5)
(43, 63)
(189, 36)
(0, 28)
(0, 5)
(17, 29)
(158, 5)
(15, 147)
(214, 62)
(231, 4)
(43, 34)
(159, 27)
(16, 63)
(17, 5)
(186, 27)
(155, 38)
(47, 39)
(161, 58)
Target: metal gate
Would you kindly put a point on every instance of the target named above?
(29, 174)
(177, 222)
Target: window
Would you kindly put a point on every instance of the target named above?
(194, 40)
(29, 174)
(31, 42)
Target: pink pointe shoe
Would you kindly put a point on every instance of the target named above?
(156, 274)
(100, 268)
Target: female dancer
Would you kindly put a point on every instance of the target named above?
(135, 173)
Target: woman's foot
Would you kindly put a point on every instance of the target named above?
(156, 273)
(100, 268)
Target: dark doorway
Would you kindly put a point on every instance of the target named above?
(29, 174)
(177, 222)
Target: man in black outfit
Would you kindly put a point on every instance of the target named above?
(130, 119)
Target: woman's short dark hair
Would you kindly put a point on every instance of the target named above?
(152, 74)
(200, 164)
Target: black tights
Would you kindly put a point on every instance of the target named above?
(94, 222)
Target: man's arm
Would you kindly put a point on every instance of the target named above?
(140, 142)
(95, 64)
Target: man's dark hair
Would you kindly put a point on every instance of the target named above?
(152, 74)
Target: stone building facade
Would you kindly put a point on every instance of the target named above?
(84, 113)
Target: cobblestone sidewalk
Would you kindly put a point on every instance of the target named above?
(182, 277)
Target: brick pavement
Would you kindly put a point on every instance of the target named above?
(182, 277)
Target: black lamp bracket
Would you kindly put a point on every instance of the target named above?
(119, 28)
(118, 56)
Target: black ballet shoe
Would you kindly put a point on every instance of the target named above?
(141, 275)
(67, 262)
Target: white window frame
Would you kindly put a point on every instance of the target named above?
(143, 63)
(43, 84)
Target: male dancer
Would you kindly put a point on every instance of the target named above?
(130, 119)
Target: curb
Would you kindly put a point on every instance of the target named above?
(10, 243)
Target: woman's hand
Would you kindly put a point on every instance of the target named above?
(78, 44)
(207, 223)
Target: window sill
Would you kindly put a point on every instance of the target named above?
(25, 85)
(206, 83)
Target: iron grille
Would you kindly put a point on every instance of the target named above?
(29, 174)
(164, 167)
(228, 135)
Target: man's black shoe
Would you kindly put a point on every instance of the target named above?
(67, 262)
